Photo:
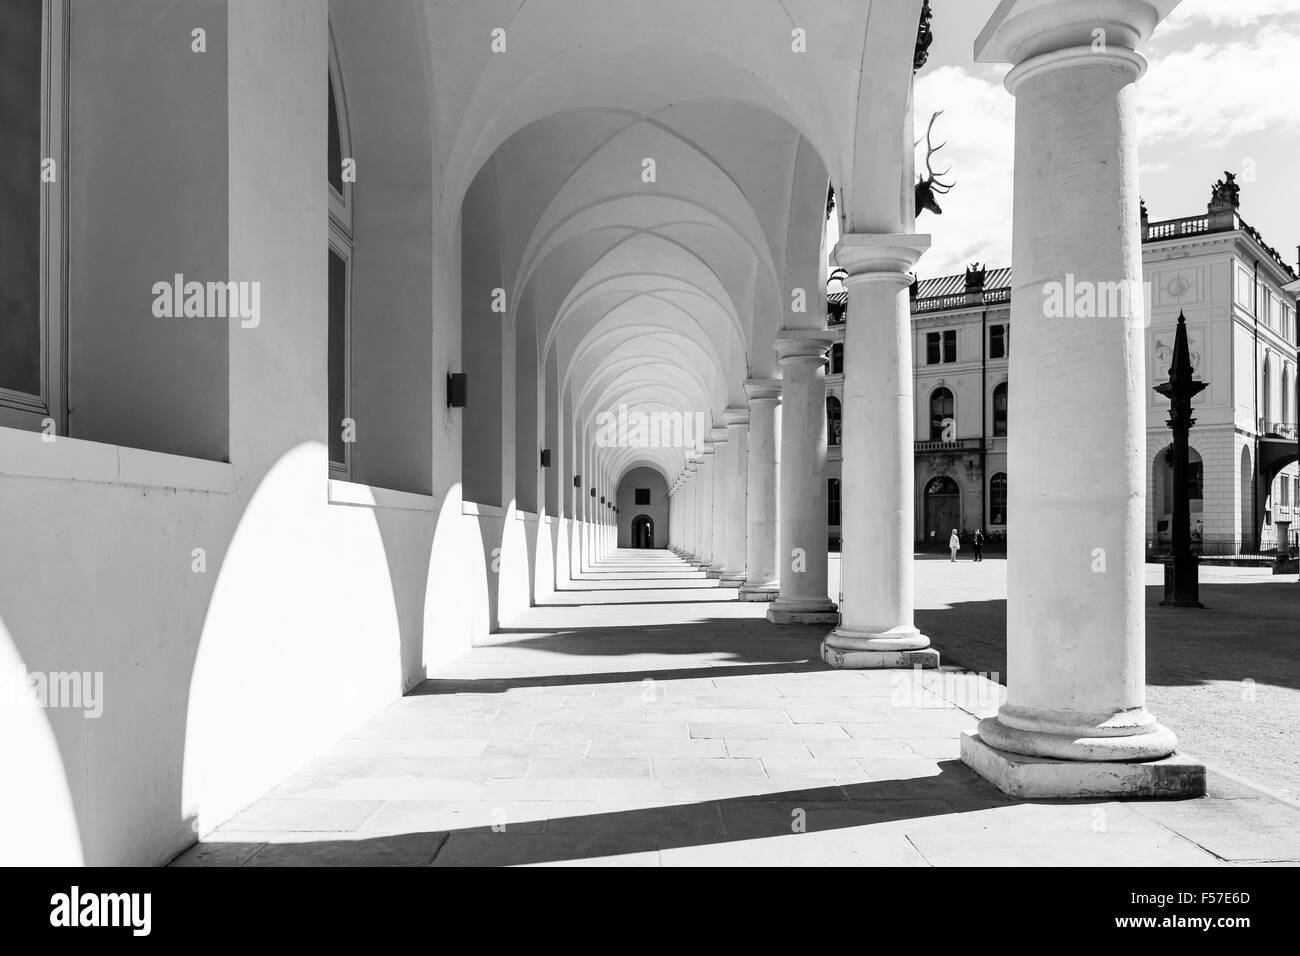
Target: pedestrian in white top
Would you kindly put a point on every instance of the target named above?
(954, 544)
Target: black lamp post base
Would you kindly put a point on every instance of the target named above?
(1182, 583)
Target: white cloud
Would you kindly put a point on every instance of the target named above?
(978, 124)
(1225, 13)
(1219, 91)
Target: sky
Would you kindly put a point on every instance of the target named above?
(1221, 94)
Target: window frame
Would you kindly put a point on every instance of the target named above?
(998, 341)
(834, 425)
(1004, 413)
(24, 410)
(1006, 498)
(952, 397)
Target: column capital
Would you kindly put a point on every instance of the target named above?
(1021, 30)
(803, 344)
(879, 256)
(718, 435)
(763, 390)
(736, 417)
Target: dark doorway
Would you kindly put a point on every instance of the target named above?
(942, 510)
(643, 532)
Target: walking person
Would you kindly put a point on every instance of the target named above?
(979, 545)
(954, 544)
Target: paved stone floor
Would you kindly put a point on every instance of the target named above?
(647, 718)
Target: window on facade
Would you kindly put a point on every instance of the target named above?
(31, 322)
(837, 358)
(833, 421)
(339, 352)
(1266, 403)
(998, 499)
(1284, 493)
(1000, 411)
(833, 502)
(998, 341)
(942, 412)
(643, 496)
(941, 347)
(1195, 480)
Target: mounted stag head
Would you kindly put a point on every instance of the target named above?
(930, 184)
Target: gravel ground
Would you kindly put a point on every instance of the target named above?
(1225, 679)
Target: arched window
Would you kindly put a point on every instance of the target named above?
(833, 502)
(942, 412)
(1000, 411)
(1286, 395)
(832, 420)
(998, 499)
(837, 358)
(1266, 403)
(339, 352)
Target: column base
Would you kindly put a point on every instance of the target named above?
(878, 660)
(802, 611)
(1127, 736)
(711, 573)
(1045, 778)
(733, 579)
(757, 593)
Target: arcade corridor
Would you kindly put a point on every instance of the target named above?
(645, 717)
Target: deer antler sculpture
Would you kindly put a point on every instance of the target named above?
(931, 185)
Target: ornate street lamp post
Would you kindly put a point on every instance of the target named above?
(1180, 389)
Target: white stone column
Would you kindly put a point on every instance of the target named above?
(734, 507)
(801, 558)
(876, 622)
(708, 463)
(761, 582)
(1076, 640)
(693, 511)
(721, 480)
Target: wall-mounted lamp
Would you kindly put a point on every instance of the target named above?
(593, 492)
(577, 481)
(602, 499)
(546, 458)
(457, 389)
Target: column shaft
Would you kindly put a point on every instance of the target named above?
(802, 558)
(876, 627)
(761, 582)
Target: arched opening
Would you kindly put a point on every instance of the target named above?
(1162, 496)
(833, 420)
(339, 276)
(833, 512)
(942, 510)
(643, 532)
(998, 500)
(942, 415)
(1000, 411)
(1266, 402)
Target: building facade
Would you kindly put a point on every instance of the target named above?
(1239, 298)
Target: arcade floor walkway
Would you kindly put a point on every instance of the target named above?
(647, 718)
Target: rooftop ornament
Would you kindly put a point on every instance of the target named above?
(976, 273)
(924, 37)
